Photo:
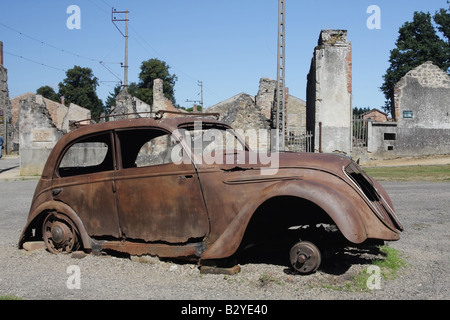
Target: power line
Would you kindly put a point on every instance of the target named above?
(34, 61)
(55, 47)
(101, 62)
(140, 40)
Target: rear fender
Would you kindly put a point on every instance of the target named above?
(61, 208)
(337, 205)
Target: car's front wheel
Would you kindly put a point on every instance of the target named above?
(59, 233)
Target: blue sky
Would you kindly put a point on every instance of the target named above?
(228, 45)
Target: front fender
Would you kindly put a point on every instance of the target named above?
(337, 205)
(59, 207)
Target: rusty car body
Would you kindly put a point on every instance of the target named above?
(112, 187)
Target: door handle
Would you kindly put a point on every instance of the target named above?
(188, 176)
(55, 192)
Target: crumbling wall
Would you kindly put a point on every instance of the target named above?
(329, 93)
(75, 113)
(266, 96)
(128, 106)
(242, 113)
(5, 111)
(38, 123)
(125, 106)
(160, 102)
(38, 135)
(422, 98)
(421, 108)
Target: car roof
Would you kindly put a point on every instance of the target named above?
(169, 124)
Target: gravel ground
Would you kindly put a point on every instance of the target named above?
(39, 275)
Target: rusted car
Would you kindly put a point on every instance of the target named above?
(190, 188)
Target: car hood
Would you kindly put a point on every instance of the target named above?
(321, 161)
(274, 163)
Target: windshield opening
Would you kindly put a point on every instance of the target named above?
(208, 138)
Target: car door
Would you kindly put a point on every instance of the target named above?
(157, 200)
(84, 180)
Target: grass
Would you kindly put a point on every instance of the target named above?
(265, 279)
(388, 267)
(436, 173)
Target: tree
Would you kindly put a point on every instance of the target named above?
(155, 69)
(48, 92)
(79, 87)
(110, 102)
(359, 111)
(417, 43)
(442, 19)
(111, 99)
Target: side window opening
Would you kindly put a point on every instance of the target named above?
(89, 155)
(147, 147)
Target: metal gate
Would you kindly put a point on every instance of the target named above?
(360, 131)
(299, 141)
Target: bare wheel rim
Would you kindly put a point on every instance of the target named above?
(59, 233)
(305, 257)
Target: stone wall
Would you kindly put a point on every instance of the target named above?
(242, 113)
(388, 141)
(329, 93)
(421, 108)
(422, 98)
(128, 106)
(38, 123)
(160, 102)
(247, 113)
(265, 97)
(125, 106)
(5, 111)
(38, 134)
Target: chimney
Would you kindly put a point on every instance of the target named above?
(62, 100)
(1, 53)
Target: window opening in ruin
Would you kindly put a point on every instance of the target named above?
(407, 114)
(390, 136)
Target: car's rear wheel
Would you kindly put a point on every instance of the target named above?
(305, 257)
(59, 233)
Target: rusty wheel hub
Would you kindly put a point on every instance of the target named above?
(305, 257)
(59, 234)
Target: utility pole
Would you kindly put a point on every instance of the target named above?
(200, 83)
(281, 92)
(114, 19)
(194, 107)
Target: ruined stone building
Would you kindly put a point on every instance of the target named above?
(248, 114)
(329, 93)
(421, 117)
(5, 108)
(128, 106)
(37, 124)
